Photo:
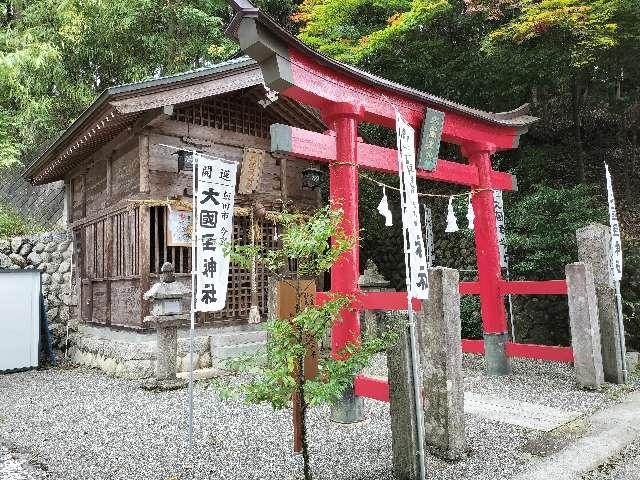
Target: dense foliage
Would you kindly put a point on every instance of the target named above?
(574, 61)
(12, 224)
(56, 55)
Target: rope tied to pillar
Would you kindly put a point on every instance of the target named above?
(436, 195)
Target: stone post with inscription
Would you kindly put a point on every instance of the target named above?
(439, 332)
(594, 247)
(585, 327)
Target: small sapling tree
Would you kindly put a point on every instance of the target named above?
(305, 251)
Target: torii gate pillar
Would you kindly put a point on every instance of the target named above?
(343, 188)
(494, 317)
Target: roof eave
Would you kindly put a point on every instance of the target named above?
(123, 91)
(517, 119)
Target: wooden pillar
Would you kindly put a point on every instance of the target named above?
(343, 192)
(345, 273)
(494, 318)
(144, 259)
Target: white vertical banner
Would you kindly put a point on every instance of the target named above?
(428, 232)
(216, 186)
(417, 284)
(616, 241)
(502, 234)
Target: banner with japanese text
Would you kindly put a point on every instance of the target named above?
(498, 206)
(417, 280)
(614, 225)
(216, 186)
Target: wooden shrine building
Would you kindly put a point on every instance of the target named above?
(119, 165)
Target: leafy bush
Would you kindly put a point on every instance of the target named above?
(630, 288)
(541, 228)
(470, 317)
(12, 223)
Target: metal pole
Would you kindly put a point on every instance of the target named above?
(194, 272)
(417, 387)
(623, 348)
(415, 355)
(513, 328)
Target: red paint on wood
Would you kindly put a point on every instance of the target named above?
(542, 352)
(473, 346)
(469, 288)
(548, 287)
(386, 301)
(318, 85)
(369, 387)
(322, 148)
(343, 191)
(494, 319)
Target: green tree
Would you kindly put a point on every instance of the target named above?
(57, 55)
(279, 378)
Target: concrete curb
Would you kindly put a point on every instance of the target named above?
(611, 430)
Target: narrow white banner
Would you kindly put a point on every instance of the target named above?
(616, 241)
(502, 234)
(428, 232)
(417, 284)
(216, 186)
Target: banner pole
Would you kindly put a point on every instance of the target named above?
(414, 353)
(194, 270)
(621, 339)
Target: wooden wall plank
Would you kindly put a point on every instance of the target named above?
(143, 160)
(144, 266)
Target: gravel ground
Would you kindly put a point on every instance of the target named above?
(82, 424)
(625, 466)
(16, 466)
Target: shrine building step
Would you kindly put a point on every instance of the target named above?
(232, 339)
(238, 343)
(233, 351)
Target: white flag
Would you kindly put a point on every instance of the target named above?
(216, 186)
(616, 241)
(417, 281)
(502, 234)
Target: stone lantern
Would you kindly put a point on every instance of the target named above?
(373, 322)
(170, 303)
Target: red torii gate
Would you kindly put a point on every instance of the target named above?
(345, 97)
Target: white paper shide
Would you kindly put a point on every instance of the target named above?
(216, 185)
(417, 281)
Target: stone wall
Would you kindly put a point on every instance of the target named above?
(52, 254)
(133, 357)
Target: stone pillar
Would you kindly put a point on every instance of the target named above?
(166, 348)
(373, 321)
(440, 343)
(585, 328)
(402, 406)
(439, 332)
(594, 243)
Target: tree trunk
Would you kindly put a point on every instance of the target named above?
(629, 164)
(577, 132)
(306, 467)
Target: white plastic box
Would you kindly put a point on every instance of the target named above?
(19, 319)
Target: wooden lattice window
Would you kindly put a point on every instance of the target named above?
(239, 286)
(180, 257)
(228, 112)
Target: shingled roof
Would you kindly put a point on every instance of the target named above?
(121, 107)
